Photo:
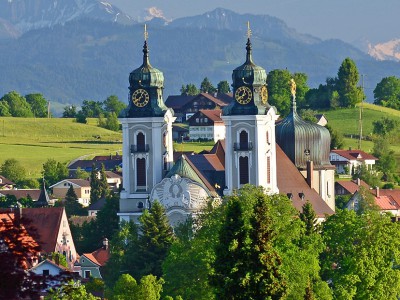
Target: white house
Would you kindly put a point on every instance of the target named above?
(350, 160)
(207, 125)
(81, 188)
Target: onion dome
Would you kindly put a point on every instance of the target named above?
(303, 141)
(249, 73)
(146, 76)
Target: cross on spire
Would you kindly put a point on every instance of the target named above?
(248, 30)
(146, 34)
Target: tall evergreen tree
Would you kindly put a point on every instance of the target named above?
(72, 206)
(349, 93)
(308, 216)
(103, 185)
(95, 186)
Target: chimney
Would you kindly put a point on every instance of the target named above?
(358, 181)
(310, 173)
(18, 213)
(377, 191)
(105, 243)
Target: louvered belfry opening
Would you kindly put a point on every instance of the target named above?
(140, 142)
(268, 170)
(243, 170)
(244, 140)
(141, 172)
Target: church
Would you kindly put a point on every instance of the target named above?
(288, 156)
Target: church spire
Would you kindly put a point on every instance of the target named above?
(293, 92)
(146, 61)
(249, 58)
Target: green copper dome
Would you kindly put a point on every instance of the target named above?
(303, 141)
(183, 169)
(146, 76)
(249, 73)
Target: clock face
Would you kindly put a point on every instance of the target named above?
(243, 95)
(264, 94)
(140, 97)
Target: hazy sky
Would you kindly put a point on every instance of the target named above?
(349, 20)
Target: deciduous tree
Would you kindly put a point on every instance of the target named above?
(13, 170)
(54, 171)
(38, 105)
(387, 92)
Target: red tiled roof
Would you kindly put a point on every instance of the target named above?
(33, 193)
(290, 181)
(352, 186)
(393, 194)
(5, 181)
(386, 203)
(217, 101)
(354, 154)
(99, 257)
(47, 222)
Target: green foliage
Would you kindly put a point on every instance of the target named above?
(54, 171)
(223, 87)
(385, 126)
(72, 206)
(279, 90)
(72, 291)
(92, 109)
(309, 115)
(301, 88)
(11, 201)
(13, 170)
(113, 105)
(387, 92)
(341, 201)
(59, 258)
(207, 87)
(362, 255)
(126, 288)
(349, 93)
(111, 122)
(368, 176)
(4, 109)
(309, 217)
(337, 141)
(95, 285)
(69, 111)
(81, 117)
(387, 163)
(81, 174)
(17, 105)
(38, 105)
(189, 89)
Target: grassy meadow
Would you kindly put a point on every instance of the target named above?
(32, 141)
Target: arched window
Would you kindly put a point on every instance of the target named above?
(243, 170)
(140, 141)
(244, 140)
(141, 172)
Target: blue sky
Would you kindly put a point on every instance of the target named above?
(349, 20)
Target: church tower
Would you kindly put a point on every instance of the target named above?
(250, 155)
(147, 137)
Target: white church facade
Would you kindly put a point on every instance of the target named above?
(249, 154)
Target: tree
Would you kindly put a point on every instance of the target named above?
(81, 174)
(95, 186)
(103, 185)
(38, 105)
(113, 105)
(155, 240)
(189, 89)
(207, 87)
(4, 109)
(17, 248)
(112, 122)
(72, 206)
(279, 90)
(361, 257)
(92, 109)
(337, 141)
(309, 115)
(223, 87)
(72, 290)
(107, 220)
(18, 107)
(126, 288)
(13, 170)
(54, 171)
(346, 85)
(69, 111)
(81, 117)
(301, 88)
(387, 92)
(308, 216)
(384, 127)
(387, 163)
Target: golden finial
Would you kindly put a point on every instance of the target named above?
(146, 34)
(248, 30)
(293, 87)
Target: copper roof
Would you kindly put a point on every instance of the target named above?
(47, 222)
(355, 155)
(290, 181)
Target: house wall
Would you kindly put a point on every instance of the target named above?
(65, 243)
(53, 270)
(88, 265)
(83, 193)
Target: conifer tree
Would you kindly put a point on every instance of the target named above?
(72, 206)
(308, 216)
(95, 189)
(103, 185)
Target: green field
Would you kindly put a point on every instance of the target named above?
(346, 121)
(32, 141)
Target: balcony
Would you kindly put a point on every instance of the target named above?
(140, 148)
(243, 146)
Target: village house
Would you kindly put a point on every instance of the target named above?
(90, 264)
(349, 187)
(206, 125)
(6, 184)
(347, 161)
(80, 186)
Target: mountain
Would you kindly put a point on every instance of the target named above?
(19, 16)
(385, 51)
(91, 58)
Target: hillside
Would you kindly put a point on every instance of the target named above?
(89, 58)
(33, 141)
